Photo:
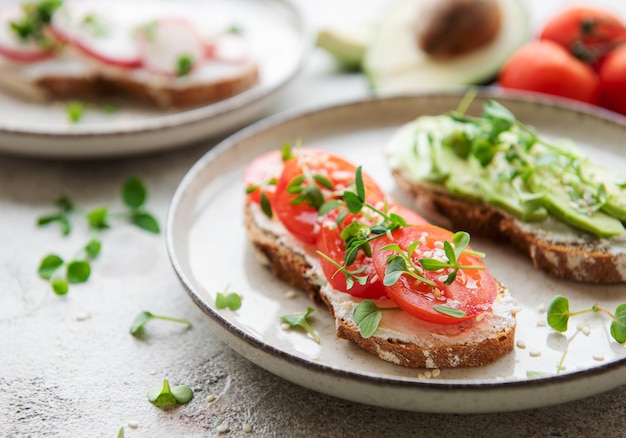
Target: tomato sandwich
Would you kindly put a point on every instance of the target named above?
(156, 52)
(400, 288)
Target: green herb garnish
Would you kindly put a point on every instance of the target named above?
(75, 111)
(144, 317)
(36, 15)
(300, 320)
(230, 300)
(184, 64)
(164, 397)
(61, 273)
(558, 316)
(367, 316)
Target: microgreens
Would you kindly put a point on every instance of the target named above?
(229, 300)
(184, 64)
(120, 433)
(75, 111)
(356, 235)
(35, 16)
(61, 273)
(452, 250)
(95, 26)
(351, 276)
(144, 317)
(165, 397)
(300, 320)
(559, 313)
(367, 316)
(65, 206)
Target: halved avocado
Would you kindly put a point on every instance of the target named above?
(348, 44)
(395, 64)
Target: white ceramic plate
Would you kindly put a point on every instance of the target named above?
(280, 38)
(209, 251)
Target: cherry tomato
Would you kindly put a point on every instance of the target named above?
(299, 217)
(261, 174)
(586, 32)
(613, 81)
(473, 291)
(546, 67)
(330, 243)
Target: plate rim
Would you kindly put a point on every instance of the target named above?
(465, 385)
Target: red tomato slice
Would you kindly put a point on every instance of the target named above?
(301, 219)
(330, 243)
(546, 67)
(260, 173)
(473, 291)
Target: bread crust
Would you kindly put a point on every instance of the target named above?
(591, 262)
(497, 332)
(163, 93)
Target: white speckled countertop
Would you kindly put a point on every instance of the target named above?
(69, 368)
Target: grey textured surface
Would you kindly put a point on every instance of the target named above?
(62, 376)
(65, 376)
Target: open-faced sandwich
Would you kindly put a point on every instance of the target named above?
(498, 178)
(167, 54)
(400, 288)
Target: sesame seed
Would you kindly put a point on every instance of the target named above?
(586, 331)
(290, 294)
(82, 316)
(535, 353)
(285, 326)
(521, 344)
(599, 357)
(421, 376)
(133, 424)
(246, 428)
(541, 308)
(210, 398)
(428, 374)
(438, 244)
(222, 428)
(436, 372)
(541, 323)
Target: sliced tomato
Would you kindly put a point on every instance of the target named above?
(472, 292)
(261, 174)
(301, 218)
(331, 244)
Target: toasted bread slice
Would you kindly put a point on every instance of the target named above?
(47, 81)
(400, 339)
(553, 247)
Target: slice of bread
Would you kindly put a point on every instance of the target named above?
(401, 338)
(71, 73)
(553, 246)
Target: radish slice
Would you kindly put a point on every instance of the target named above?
(15, 48)
(230, 47)
(98, 35)
(171, 46)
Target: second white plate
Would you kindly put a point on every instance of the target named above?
(209, 250)
(280, 39)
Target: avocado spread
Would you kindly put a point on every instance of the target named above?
(499, 160)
